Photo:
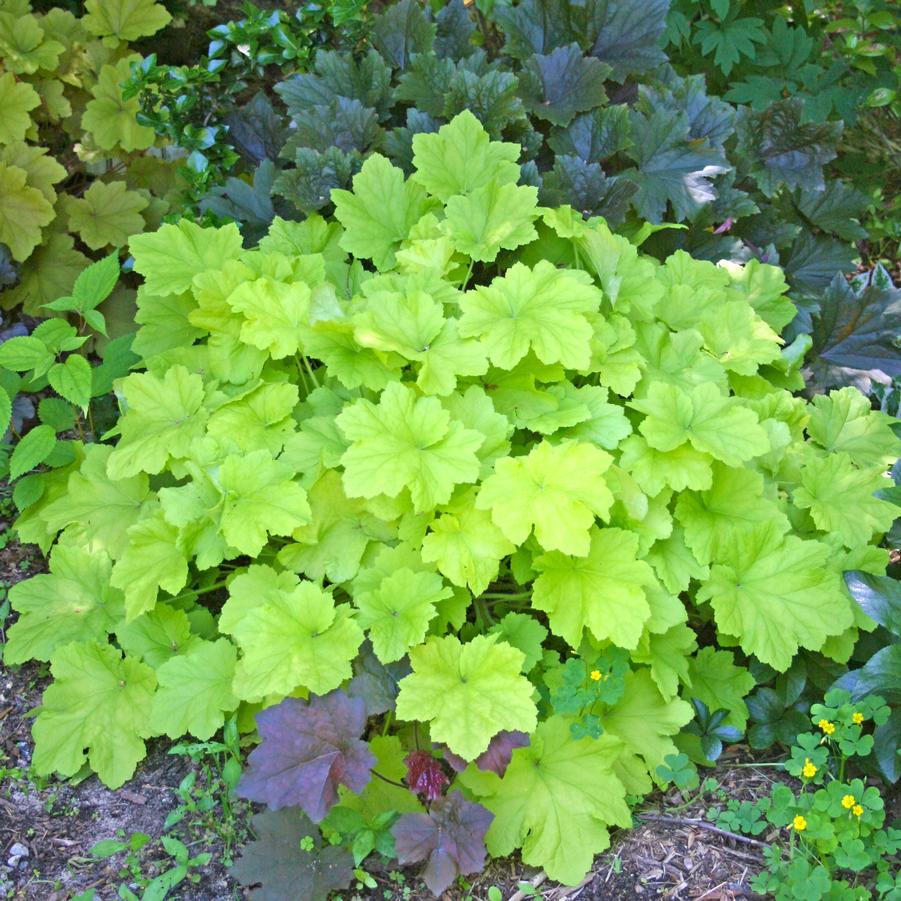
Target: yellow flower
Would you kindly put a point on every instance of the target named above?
(826, 726)
(799, 824)
(596, 675)
(848, 802)
(810, 769)
(857, 718)
(857, 810)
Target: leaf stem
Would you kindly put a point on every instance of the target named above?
(501, 596)
(468, 275)
(378, 775)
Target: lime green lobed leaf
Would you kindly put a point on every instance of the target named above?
(603, 592)
(467, 693)
(557, 489)
(397, 614)
(556, 801)
(170, 257)
(73, 602)
(194, 691)
(406, 441)
(542, 309)
(777, 593)
(300, 639)
(842, 501)
(380, 211)
(99, 702)
(460, 158)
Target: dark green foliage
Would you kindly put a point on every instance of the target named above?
(605, 123)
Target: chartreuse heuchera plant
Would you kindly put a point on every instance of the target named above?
(444, 493)
(78, 174)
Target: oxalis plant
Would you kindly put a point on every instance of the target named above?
(441, 497)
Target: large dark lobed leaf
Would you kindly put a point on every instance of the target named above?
(308, 749)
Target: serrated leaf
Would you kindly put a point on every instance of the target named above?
(380, 211)
(24, 211)
(397, 614)
(98, 702)
(125, 20)
(171, 257)
(194, 691)
(406, 442)
(106, 215)
(541, 309)
(560, 84)
(401, 31)
(492, 218)
(293, 640)
(277, 863)
(459, 159)
(768, 578)
(73, 602)
(558, 489)
(17, 99)
(467, 692)
(308, 749)
(556, 801)
(672, 167)
(71, 379)
(782, 149)
(450, 838)
(32, 450)
(603, 592)
(109, 117)
(858, 324)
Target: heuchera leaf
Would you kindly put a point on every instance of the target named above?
(425, 775)
(276, 861)
(782, 149)
(308, 749)
(603, 591)
(99, 702)
(558, 489)
(73, 602)
(766, 573)
(560, 84)
(858, 323)
(467, 692)
(496, 757)
(556, 800)
(450, 838)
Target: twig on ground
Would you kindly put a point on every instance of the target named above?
(703, 824)
(534, 882)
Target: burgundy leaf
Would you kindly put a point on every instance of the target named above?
(276, 862)
(308, 749)
(424, 775)
(496, 757)
(450, 838)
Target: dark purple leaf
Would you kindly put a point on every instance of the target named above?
(450, 838)
(424, 775)
(308, 749)
(496, 757)
(555, 86)
(858, 324)
(376, 682)
(782, 149)
(276, 862)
